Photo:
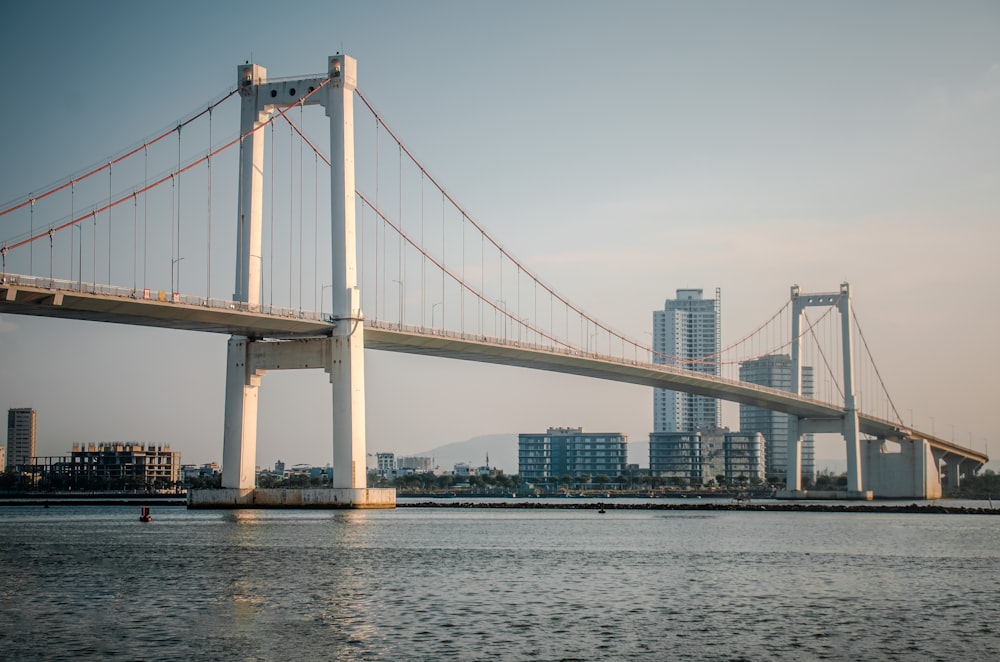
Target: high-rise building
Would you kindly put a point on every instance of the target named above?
(687, 333)
(570, 452)
(775, 371)
(22, 431)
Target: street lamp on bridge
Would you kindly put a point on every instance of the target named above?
(400, 283)
(322, 300)
(433, 307)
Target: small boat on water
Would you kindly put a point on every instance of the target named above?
(144, 515)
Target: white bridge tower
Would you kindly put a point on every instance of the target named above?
(848, 425)
(341, 353)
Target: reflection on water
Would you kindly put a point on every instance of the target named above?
(478, 584)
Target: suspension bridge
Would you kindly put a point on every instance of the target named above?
(408, 270)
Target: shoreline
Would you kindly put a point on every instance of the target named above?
(769, 507)
(589, 504)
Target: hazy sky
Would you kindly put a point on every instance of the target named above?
(621, 150)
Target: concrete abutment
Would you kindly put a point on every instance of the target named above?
(319, 498)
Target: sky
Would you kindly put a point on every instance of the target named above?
(620, 150)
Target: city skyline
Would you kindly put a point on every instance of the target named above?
(789, 144)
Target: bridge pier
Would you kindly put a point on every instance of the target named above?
(249, 361)
(793, 477)
(912, 472)
(955, 468)
(239, 436)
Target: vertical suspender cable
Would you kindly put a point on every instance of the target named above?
(72, 216)
(301, 200)
(208, 166)
(461, 290)
(316, 230)
(135, 243)
(401, 267)
(500, 279)
(93, 284)
(270, 248)
(482, 278)
(443, 251)
(173, 228)
(423, 260)
(111, 198)
(145, 216)
(291, 210)
(378, 224)
(178, 286)
(31, 233)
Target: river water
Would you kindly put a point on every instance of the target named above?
(486, 584)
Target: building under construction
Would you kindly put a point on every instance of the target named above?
(126, 461)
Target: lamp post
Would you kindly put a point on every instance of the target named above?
(503, 318)
(322, 300)
(433, 307)
(400, 283)
(175, 281)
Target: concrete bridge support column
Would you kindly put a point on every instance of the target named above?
(239, 440)
(347, 368)
(954, 473)
(793, 472)
(347, 375)
(852, 438)
(852, 434)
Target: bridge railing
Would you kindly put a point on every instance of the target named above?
(579, 353)
(56, 285)
(147, 294)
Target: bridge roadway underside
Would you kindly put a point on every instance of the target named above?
(228, 318)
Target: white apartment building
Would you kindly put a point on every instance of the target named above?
(687, 333)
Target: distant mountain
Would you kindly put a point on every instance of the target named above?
(502, 449)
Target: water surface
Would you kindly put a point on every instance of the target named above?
(477, 584)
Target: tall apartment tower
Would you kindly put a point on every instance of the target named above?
(689, 327)
(22, 427)
(775, 371)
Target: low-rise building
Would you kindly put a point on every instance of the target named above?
(707, 454)
(570, 452)
(745, 457)
(385, 465)
(676, 455)
(415, 464)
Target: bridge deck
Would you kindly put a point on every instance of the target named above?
(26, 296)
